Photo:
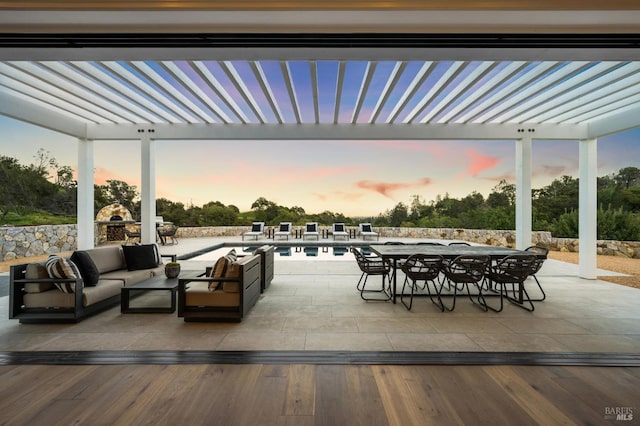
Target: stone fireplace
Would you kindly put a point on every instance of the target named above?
(111, 221)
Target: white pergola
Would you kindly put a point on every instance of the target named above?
(330, 86)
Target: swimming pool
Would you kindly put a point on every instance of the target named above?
(286, 252)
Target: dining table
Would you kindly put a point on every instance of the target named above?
(397, 252)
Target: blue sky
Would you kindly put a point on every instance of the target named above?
(353, 177)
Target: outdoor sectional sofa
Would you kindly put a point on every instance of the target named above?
(34, 296)
(224, 293)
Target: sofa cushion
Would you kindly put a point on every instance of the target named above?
(198, 294)
(127, 277)
(57, 299)
(107, 258)
(58, 267)
(140, 257)
(86, 266)
(36, 271)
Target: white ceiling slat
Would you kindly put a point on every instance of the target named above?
(196, 97)
(364, 87)
(415, 84)
(293, 97)
(536, 103)
(594, 91)
(107, 87)
(527, 94)
(603, 101)
(446, 78)
(36, 97)
(392, 80)
(186, 81)
(488, 86)
(149, 72)
(314, 87)
(267, 89)
(37, 87)
(153, 92)
(236, 79)
(188, 92)
(125, 91)
(219, 89)
(609, 110)
(338, 97)
(57, 75)
(480, 71)
(477, 113)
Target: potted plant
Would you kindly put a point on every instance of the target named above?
(172, 269)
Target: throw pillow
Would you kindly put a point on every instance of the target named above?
(255, 227)
(366, 228)
(339, 227)
(86, 266)
(58, 267)
(218, 271)
(284, 228)
(140, 257)
(311, 228)
(232, 255)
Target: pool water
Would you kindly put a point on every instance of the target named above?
(288, 253)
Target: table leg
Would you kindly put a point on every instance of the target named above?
(395, 274)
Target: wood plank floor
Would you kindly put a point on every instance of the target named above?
(261, 394)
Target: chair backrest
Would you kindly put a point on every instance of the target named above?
(366, 227)
(338, 227)
(467, 268)
(257, 227)
(423, 267)
(311, 227)
(284, 227)
(537, 250)
(514, 268)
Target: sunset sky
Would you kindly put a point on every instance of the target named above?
(357, 178)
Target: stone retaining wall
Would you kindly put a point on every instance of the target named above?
(27, 241)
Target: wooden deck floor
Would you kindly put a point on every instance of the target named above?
(259, 394)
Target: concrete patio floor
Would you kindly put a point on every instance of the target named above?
(313, 305)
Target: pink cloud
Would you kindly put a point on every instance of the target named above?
(479, 162)
(102, 175)
(384, 188)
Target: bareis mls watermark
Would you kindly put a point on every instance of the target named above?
(618, 413)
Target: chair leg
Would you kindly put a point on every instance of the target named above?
(402, 294)
(455, 293)
(491, 287)
(526, 303)
(544, 296)
(384, 290)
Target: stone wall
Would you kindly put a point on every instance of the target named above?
(28, 241)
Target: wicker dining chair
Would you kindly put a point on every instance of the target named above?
(465, 271)
(373, 265)
(507, 278)
(425, 268)
(538, 251)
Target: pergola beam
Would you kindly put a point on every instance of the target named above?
(14, 107)
(340, 131)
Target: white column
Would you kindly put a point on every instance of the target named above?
(84, 208)
(523, 193)
(148, 189)
(588, 209)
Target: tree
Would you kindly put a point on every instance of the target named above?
(502, 195)
(628, 177)
(117, 191)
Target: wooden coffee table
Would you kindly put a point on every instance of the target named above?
(157, 283)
